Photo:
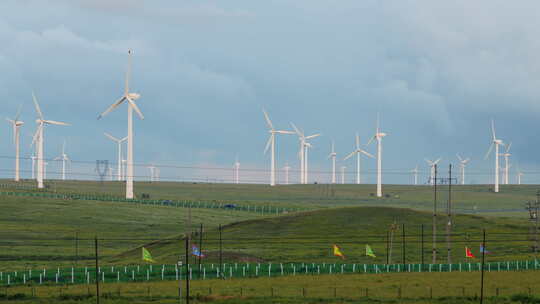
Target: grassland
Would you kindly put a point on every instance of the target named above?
(500, 287)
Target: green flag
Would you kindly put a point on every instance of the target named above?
(146, 256)
(369, 252)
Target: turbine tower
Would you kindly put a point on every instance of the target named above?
(38, 139)
(431, 165)
(495, 142)
(272, 144)
(506, 155)
(236, 170)
(415, 172)
(378, 136)
(63, 157)
(16, 123)
(152, 172)
(462, 164)
(519, 175)
(119, 142)
(304, 146)
(343, 174)
(333, 155)
(287, 168)
(130, 99)
(358, 151)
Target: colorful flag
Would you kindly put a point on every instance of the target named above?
(146, 256)
(483, 250)
(369, 252)
(468, 253)
(337, 251)
(196, 252)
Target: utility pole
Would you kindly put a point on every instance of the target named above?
(97, 270)
(434, 224)
(403, 244)
(482, 274)
(422, 245)
(449, 214)
(200, 248)
(220, 252)
(393, 229)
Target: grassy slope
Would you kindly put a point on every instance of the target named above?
(41, 231)
(465, 198)
(307, 237)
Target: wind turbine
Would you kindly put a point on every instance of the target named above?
(303, 153)
(415, 172)
(119, 142)
(236, 170)
(462, 164)
(129, 98)
(519, 175)
(358, 151)
(287, 168)
(343, 174)
(432, 169)
(378, 136)
(333, 155)
(38, 137)
(63, 157)
(495, 142)
(152, 172)
(16, 123)
(272, 144)
(506, 155)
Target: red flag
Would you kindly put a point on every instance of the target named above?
(468, 253)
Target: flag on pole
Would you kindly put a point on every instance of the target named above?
(146, 256)
(483, 250)
(369, 252)
(196, 252)
(337, 252)
(468, 253)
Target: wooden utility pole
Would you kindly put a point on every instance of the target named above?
(200, 248)
(393, 229)
(434, 247)
(483, 260)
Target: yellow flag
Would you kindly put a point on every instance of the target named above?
(337, 251)
(146, 256)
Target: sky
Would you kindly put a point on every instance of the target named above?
(437, 72)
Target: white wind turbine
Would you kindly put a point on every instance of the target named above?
(236, 170)
(16, 123)
(462, 164)
(63, 157)
(343, 174)
(129, 98)
(272, 144)
(519, 175)
(333, 155)
(431, 165)
(38, 137)
(495, 142)
(506, 155)
(119, 142)
(358, 151)
(152, 172)
(303, 153)
(378, 136)
(415, 172)
(287, 168)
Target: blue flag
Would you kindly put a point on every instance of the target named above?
(196, 252)
(483, 250)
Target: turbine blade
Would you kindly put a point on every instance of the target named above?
(54, 122)
(313, 136)
(489, 151)
(36, 104)
(357, 141)
(123, 139)
(36, 135)
(493, 129)
(459, 157)
(268, 121)
(370, 140)
(18, 113)
(134, 105)
(126, 91)
(268, 143)
(437, 161)
(296, 130)
(284, 132)
(112, 107)
(350, 155)
(508, 147)
(366, 153)
(111, 137)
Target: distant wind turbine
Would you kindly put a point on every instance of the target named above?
(272, 145)
(287, 168)
(129, 98)
(17, 124)
(152, 172)
(506, 155)
(358, 151)
(432, 169)
(38, 138)
(519, 175)
(343, 174)
(303, 153)
(63, 157)
(333, 155)
(236, 170)
(415, 172)
(119, 142)
(462, 164)
(495, 142)
(378, 136)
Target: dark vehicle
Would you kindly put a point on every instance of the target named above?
(166, 202)
(229, 206)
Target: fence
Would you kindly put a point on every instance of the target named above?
(143, 273)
